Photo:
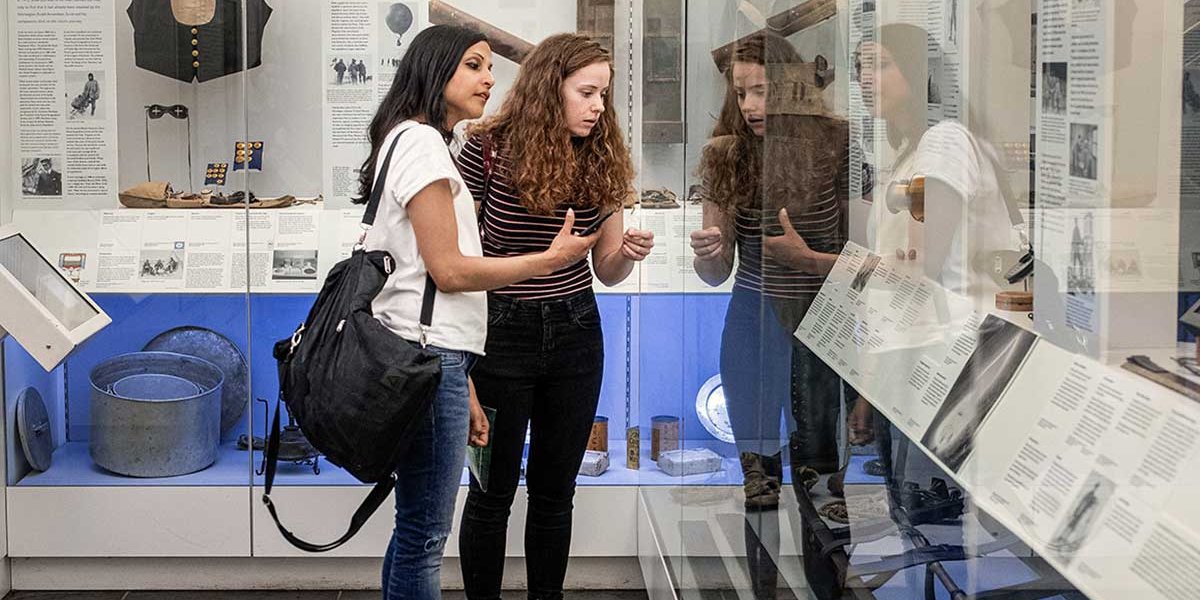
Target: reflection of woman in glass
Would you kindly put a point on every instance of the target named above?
(965, 215)
(950, 233)
(774, 188)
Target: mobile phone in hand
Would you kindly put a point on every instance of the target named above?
(595, 226)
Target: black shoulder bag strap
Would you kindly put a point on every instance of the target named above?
(380, 492)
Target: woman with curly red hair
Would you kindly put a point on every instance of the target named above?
(555, 146)
(775, 200)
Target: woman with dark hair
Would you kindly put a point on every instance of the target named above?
(964, 216)
(774, 180)
(426, 221)
(950, 233)
(555, 146)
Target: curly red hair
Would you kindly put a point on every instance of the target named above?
(788, 167)
(548, 166)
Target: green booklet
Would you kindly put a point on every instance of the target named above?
(479, 460)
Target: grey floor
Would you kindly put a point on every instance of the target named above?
(310, 595)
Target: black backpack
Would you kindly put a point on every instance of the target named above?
(355, 388)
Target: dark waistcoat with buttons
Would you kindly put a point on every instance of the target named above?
(201, 52)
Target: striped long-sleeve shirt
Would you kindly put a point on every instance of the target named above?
(508, 229)
(822, 224)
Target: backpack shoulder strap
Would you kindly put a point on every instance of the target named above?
(379, 183)
(368, 221)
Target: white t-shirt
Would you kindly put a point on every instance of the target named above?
(460, 319)
(948, 153)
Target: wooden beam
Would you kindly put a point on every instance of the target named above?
(503, 43)
(786, 23)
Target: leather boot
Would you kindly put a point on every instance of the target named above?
(761, 487)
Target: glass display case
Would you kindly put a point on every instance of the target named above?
(190, 169)
(113, 118)
(912, 401)
(917, 323)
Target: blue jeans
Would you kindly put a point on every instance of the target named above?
(765, 372)
(427, 485)
(756, 371)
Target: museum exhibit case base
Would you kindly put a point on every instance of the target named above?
(214, 575)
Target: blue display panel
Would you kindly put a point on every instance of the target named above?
(674, 345)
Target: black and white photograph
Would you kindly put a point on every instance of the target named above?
(294, 264)
(41, 176)
(1191, 98)
(952, 23)
(1081, 517)
(161, 264)
(350, 69)
(1083, 150)
(663, 58)
(1033, 54)
(1054, 88)
(1081, 272)
(398, 25)
(935, 81)
(998, 355)
(865, 272)
(1125, 264)
(84, 101)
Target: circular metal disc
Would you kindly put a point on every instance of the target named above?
(711, 410)
(219, 350)
(33, 427)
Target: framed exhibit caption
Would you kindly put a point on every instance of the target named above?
(1085, 462)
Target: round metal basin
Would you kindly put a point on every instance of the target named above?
(155, 414)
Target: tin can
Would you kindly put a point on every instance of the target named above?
(598, 441)
(664, 435)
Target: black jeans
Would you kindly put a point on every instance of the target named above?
(543, 368)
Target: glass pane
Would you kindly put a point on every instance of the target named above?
(117, 126)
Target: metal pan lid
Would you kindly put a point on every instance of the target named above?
(33, 427)
(215, 348)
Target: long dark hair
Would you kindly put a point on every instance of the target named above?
(428, 65)
(912, 49)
